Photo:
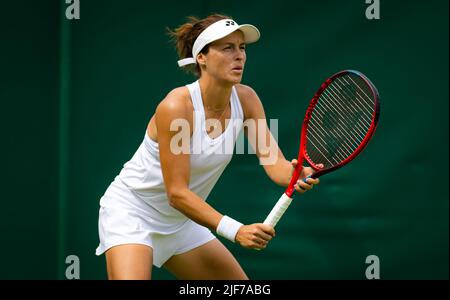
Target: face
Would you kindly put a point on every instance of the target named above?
(225, 59)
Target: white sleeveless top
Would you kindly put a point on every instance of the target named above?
(142, 175)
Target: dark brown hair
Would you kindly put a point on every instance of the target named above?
(185, 35)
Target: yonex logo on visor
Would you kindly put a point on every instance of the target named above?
(216, 31)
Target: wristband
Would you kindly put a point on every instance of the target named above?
(228, 228)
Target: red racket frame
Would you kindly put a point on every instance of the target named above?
(302, 154)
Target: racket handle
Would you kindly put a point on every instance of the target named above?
(278, 210)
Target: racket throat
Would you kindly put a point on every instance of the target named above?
(291, 187)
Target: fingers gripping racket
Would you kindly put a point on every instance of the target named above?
(339, 122)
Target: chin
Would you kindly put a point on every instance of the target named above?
(230, 79)
(235, 79)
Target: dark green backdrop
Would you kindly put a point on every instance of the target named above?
(78, 95)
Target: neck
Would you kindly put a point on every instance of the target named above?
(215, 94)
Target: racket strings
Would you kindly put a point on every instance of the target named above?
(346, 110)
(340, 120)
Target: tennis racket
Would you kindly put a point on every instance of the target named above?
(339, 123)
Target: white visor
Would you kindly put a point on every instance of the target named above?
(215, 32)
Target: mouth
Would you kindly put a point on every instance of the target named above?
(237, 69)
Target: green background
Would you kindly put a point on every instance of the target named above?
(77, 96)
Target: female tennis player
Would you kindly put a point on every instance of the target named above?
(154, 212)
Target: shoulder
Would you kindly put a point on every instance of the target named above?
(245, 92)
(251, 104)
(176, 104)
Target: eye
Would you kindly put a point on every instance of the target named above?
(227, 48)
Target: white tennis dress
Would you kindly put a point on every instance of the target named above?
(135, 208)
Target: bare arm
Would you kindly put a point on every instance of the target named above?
(176, 166)
(266, 147)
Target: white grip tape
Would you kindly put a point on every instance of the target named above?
(228, 228)
(278, 210)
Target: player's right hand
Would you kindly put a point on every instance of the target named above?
(255, 236)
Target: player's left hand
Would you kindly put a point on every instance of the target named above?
(302, 186)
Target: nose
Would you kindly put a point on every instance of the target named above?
(240, 56)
